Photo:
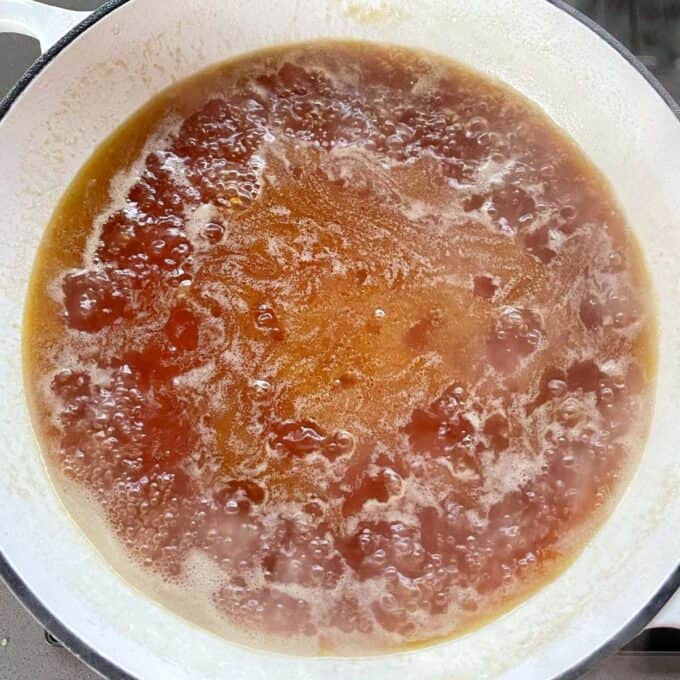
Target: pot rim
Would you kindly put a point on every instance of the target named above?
(106, 668)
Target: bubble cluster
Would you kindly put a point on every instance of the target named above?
(363, 331)
(517, 333)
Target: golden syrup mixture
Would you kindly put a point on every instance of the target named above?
(353, 327)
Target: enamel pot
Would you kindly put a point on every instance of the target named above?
(96, 70)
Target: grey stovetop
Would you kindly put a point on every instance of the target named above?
(24, 651)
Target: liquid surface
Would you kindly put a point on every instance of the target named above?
(347, 343)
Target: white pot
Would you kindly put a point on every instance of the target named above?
(127, 51)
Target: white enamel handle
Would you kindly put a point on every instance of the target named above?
(44, 22)
(669, 616)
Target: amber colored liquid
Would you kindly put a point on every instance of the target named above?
(356, 325)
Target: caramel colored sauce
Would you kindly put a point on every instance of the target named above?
(356, 325)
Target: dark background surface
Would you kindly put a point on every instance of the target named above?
(651, 29)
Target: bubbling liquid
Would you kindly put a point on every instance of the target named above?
(352, 327)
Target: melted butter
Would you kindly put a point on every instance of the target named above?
(350, 347)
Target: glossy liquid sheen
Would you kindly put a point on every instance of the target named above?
(350, 346)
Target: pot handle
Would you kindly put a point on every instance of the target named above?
(669, 616)
(44, 22)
